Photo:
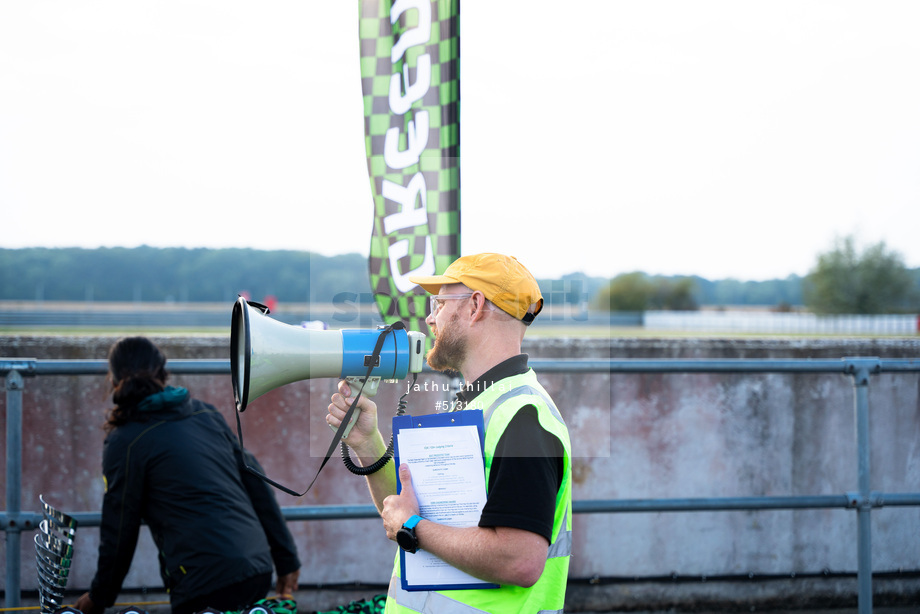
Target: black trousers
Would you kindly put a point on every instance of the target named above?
(234, 597)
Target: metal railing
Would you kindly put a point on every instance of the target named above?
(14, 520)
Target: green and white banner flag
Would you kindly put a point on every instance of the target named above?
(410, 77)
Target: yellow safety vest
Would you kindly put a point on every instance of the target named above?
(500, 403)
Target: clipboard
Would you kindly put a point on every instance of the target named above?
(445, 459)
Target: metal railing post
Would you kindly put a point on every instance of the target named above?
(861, 369)
(14, 386)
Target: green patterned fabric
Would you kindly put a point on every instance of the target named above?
(270, 605)
(374, 605)
(410, 78)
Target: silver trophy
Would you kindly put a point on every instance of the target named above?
(54, 553)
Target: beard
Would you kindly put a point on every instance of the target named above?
(449, 350)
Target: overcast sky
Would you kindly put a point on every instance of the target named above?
(726, 138)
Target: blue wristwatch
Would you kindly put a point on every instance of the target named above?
(406, 537)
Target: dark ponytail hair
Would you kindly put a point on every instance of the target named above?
(137, 369)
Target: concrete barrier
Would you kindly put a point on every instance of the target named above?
(635, 436)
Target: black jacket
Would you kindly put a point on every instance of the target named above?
(179, 469)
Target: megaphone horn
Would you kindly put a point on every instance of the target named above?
(266, 354)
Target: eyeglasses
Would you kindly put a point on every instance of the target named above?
(436, 300)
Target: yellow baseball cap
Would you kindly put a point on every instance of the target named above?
(503, 280)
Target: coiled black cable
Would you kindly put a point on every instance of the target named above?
(381, 462)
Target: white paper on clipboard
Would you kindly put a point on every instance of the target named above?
(444, 454)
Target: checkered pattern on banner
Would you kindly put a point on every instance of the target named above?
(439, 163)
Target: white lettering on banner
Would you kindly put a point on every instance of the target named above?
(409, 215)
(402, 95)
(417, 137)
(400, 249)
(420, 35)
(415, 91)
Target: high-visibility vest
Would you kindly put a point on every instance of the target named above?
(500, 403)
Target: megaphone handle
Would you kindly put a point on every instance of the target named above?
(369, 390)
(381, 462)
(370, 387)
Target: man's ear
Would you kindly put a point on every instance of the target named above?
(478, 306)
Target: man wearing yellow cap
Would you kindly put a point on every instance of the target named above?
(480, 308)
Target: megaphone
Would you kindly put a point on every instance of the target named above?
(266, 354)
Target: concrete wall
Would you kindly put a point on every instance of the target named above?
(635, 436)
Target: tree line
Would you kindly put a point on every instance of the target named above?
(177, 274)
(844, 280)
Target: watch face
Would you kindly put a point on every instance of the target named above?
(407, 540)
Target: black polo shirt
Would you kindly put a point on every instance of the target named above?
(527, 468)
